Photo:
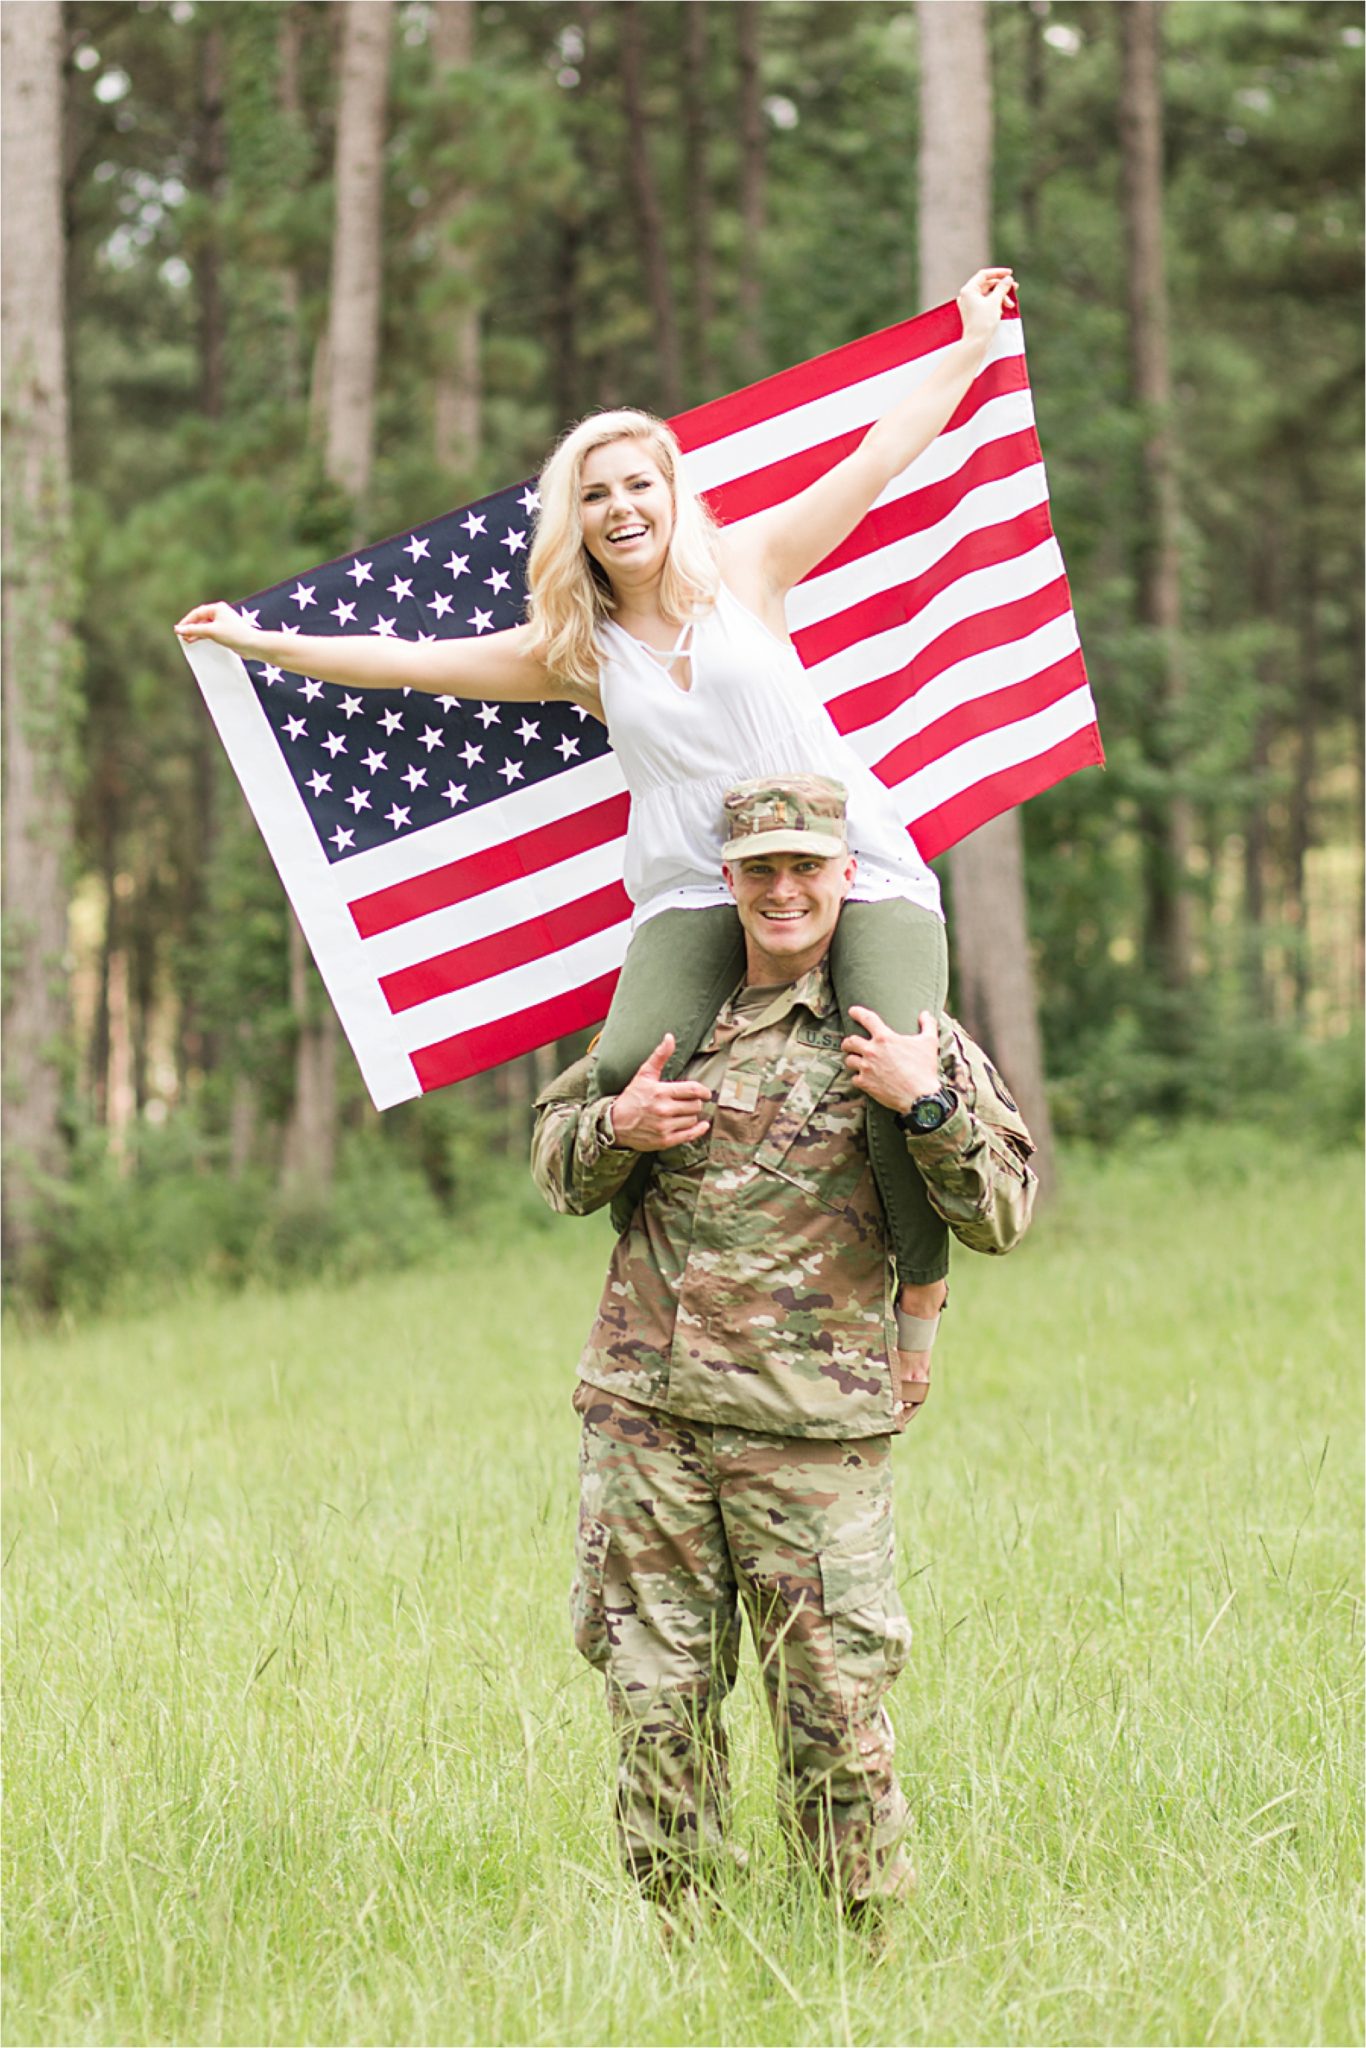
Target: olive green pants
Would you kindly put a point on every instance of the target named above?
(891, 957)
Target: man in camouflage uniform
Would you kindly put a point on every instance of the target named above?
(742, 1387)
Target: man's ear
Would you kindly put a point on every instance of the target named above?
(728, 877)
(850, 870)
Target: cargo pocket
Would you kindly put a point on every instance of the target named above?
(872, 1635)
(586, 1608)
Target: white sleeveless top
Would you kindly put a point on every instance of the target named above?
(751, 711)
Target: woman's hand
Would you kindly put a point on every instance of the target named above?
(218, 622)
(982, 301)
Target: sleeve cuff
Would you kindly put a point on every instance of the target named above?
(953, 1135)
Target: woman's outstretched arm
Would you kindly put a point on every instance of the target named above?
(490, 666)
(782, 545)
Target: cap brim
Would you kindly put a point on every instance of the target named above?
(824, 844)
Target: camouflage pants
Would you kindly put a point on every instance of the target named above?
(682, 1525)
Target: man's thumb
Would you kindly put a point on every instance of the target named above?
(659, 1058)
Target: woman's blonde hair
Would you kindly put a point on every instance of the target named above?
(569, 594)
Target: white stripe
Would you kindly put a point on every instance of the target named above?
(978, 676)
(822, 419)
(462, 924)
(519, 989)
(493, 824)
(289, 833)
(990, 752)
(902, 560)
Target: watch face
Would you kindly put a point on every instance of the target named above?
(928, 1114)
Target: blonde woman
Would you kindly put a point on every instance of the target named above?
(671, 631)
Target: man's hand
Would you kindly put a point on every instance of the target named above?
(651, 1113)
(896, 1070)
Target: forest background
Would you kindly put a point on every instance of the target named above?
(320, 272)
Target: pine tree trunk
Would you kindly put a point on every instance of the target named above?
(1169, 823)
(37, 613)
(289, 58)
(753, 171)
(649, 215)
(993, 970)
(697, 193)
(456, 397)
(352, 366)
(357, 266)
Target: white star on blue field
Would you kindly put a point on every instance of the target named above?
(373, 766)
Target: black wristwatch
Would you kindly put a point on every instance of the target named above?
(927, 1113)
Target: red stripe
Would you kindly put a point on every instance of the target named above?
(470, 1052)
(839, 367)
(986, 547)
(1000, 626)
(949, 822)
(535, 939)
(989, 713)
(458, 880)
(777, 482)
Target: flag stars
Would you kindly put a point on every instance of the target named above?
(252, 618)
(416, 548)
(530, 500)
(514, 542)
(512, 770)
(440, 604)
(448, 703)
(567, 747)
(415, 777)
(311, 688)
(343, 611)
(482, 622)
(385, 628)
(474, 523)
(352, 707)
(319, 783)
(392, 721)
(498, 581)
(302, 594)
(470, 754)
(454, 793)
(400, 588)
(528, 731)
(335, 744)
(359, 800)
(296, 728)
(343, 838)
(398, 815)
(458, 565)
(375, 761)
(487, 714)
(271, 673)
(359, 572)
(432, 738)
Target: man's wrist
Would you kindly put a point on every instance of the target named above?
(927, 1113)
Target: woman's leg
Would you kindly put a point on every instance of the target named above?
(893, 957)
(680, 967)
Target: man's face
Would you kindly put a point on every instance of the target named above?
(789, 904)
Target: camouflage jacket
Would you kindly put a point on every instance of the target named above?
(753, 1286)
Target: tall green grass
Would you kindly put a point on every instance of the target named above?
(297, 1749)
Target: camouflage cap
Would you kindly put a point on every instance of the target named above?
(786, 814)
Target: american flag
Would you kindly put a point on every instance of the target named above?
(456, 866)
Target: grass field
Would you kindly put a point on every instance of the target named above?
(298, 1750)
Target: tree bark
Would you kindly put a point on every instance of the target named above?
(37, 615)
(649, 215)
(352, 365)
(357, 266)
(753, 171)
(456, 398)
(993, 967)
(289, 57)
(1169, 822)
(697, 192)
